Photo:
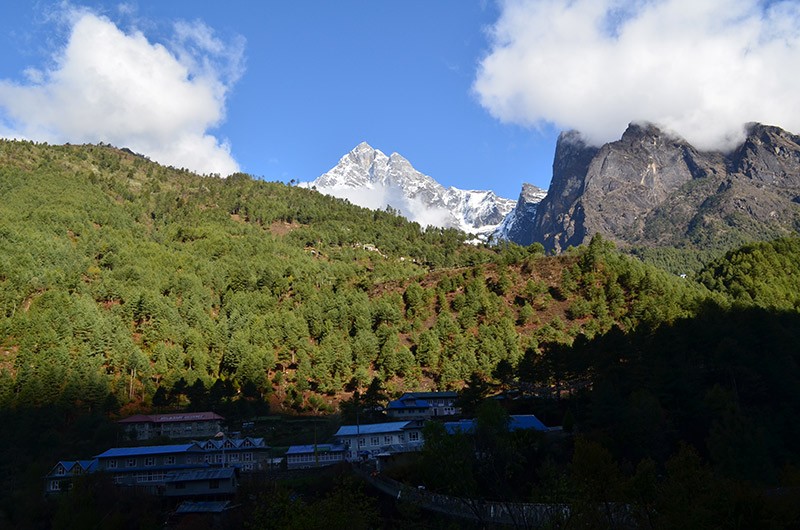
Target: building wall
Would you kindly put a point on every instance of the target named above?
(201, 487)
(307, 460)
(175, 429)
(375, 443)
(121, 463)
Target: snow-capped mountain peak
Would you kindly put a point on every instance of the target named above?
(367, 177)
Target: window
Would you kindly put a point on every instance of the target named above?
(248, 457)
(219, 459)
(131, 462)
(376, 440)
(112, 464)
(169, 460)
(402, 438)
(55, 485)
(362, 442)
(60, 471)
(413, 436)
(387, 440)
(150, 461)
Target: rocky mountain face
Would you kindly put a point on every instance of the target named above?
(367, 177)
(650, 188)
(518, 224)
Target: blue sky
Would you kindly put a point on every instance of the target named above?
(321, 76)
(471, 92)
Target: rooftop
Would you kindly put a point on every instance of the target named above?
(232, 443)
(409, 403)
(149, 450)
(318, 448)
(170, 418)
(374, 428)
(516, 422)
(202, 507)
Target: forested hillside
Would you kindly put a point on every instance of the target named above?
(125, 286)
(120, 277)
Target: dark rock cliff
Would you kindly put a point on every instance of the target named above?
(650, 188)
(517, 226)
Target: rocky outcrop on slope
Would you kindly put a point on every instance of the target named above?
(651, 188)
(518, 224)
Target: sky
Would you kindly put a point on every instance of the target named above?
(472, 92)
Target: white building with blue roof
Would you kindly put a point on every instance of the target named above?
(369, 441)
(314, 455)
(147, 466)
(423, 406)
(62, 476)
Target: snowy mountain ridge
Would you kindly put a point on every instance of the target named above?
(367, 177)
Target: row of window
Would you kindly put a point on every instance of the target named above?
(326, 457)
(150, 461)
(55, 485)
(230, 457)
(413, 436)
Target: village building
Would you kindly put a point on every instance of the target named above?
(315, 455)
(369, 441)
(152, 467)
(147, 467)
(178, 425)
(423, 406)
(61, 478)
(516, 422)
(248, 454)
(217, 482)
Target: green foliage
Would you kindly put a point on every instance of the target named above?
(759, 274)
(342, 504)
(122, 277)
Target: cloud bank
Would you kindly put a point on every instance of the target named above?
(378, 197)
(700, 69)
(107, 85)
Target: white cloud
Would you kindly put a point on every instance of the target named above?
(107, 85)
(700, 69)
(379, 197)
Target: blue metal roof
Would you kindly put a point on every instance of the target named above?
(202, 507)
(526, 422)
(232, 444)
(318, 448)
(409, 403)
(150, 450)
(374, 428)
(464, 426)
(516, 422)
